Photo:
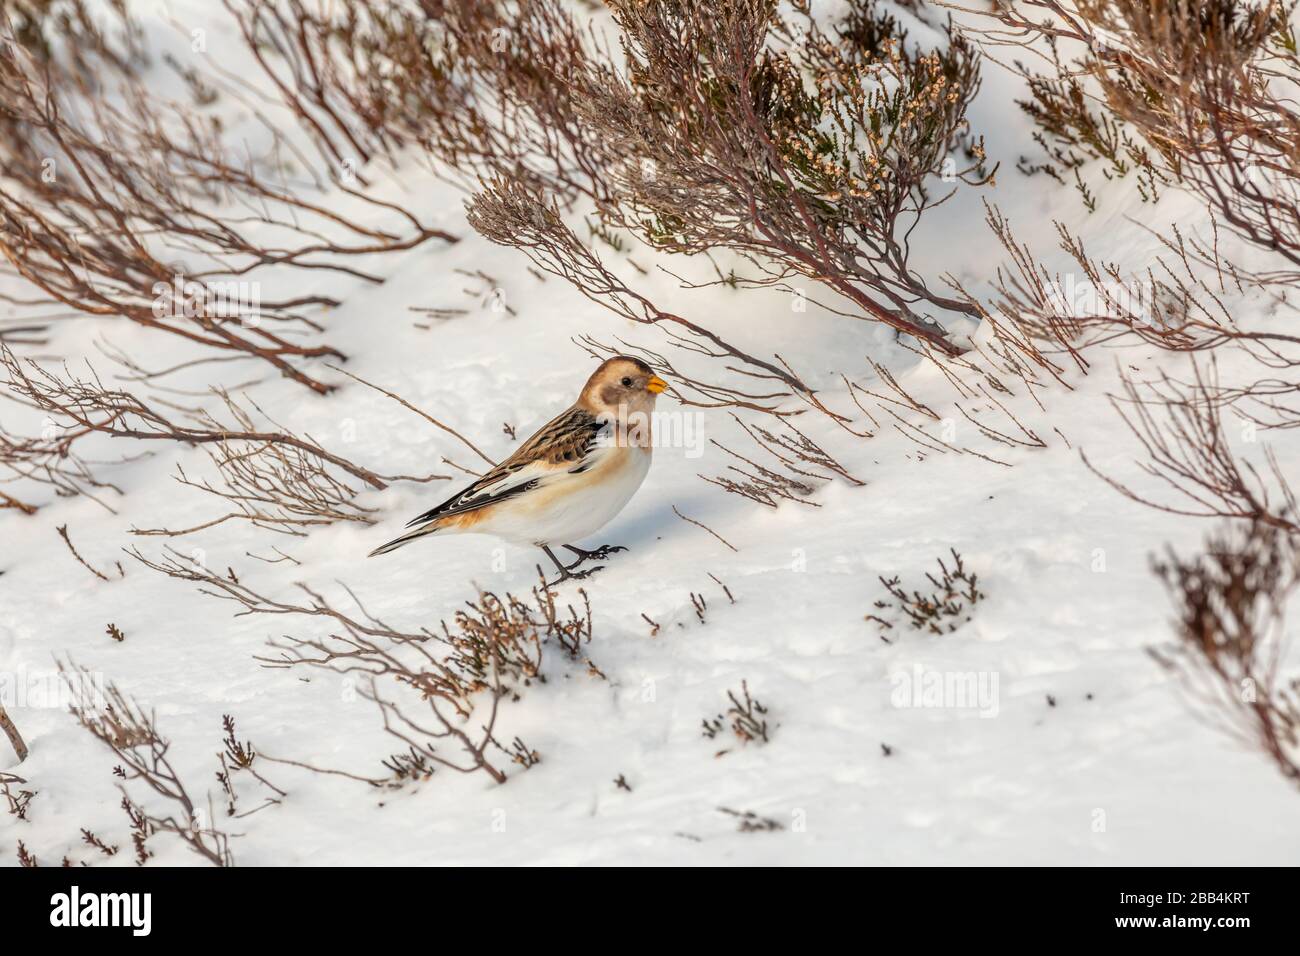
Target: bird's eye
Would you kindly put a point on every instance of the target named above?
(627, 383)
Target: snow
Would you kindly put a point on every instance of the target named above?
(1024, 782)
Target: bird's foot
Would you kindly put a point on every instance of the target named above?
(568, 574)
(599, 554)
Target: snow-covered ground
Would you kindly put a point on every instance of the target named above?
(1082, 751)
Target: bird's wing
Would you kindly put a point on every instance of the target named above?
(568, 444)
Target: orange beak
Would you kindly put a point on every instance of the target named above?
(655, 385)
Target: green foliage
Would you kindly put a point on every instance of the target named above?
(1073, 134)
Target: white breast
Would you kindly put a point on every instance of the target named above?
(573, 506)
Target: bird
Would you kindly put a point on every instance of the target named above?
(568, 480)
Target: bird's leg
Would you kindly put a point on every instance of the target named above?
(600, 554)
(567, 572)
(564, 571)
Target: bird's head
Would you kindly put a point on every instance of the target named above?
(622, 386)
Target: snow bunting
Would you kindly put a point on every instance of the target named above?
(568, 480)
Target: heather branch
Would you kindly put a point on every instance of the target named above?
(131, 734)
(11, 731)
(1230, 604)
(120, 414)
(1180, 429)
(508, 213)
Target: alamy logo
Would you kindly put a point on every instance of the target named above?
(670, 429)
(958, 690)
(213, 299)
(103, 909)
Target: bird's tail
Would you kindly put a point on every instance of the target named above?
(405, 539)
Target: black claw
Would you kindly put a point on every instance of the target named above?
(599, 554)
(568, 575)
